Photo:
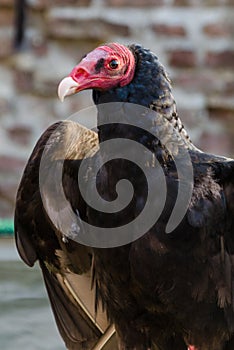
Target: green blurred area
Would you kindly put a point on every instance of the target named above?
(6, 227)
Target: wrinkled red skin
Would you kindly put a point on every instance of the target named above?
(88, 76)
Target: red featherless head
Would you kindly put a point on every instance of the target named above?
(106, 67)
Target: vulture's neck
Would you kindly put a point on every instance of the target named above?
(163, 117)
(150, 88)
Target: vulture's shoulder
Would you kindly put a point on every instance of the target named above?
(211, 219)
(66, 264)
(58, 152)
(213, 192)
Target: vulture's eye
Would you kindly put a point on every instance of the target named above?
(113, 64)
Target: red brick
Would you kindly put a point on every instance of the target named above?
(229, 88)
(19, 134)
(224, 114)
(169, 30)
(9, 3)
(94, 29)
(69, 2)
(195, 80)
(23, 81)
(134, 3)
(221, 59)
(216, 143)
(217, 29)
(213, 2)
(196, 3)
(41, 4)
(181, 2)
(6, 17)
(45, 87)
(182, 58)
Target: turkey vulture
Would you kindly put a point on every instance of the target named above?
(169, 288)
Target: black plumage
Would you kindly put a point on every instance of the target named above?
(163, 291)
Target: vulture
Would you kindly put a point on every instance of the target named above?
(132, 225)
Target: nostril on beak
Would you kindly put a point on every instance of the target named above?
(77, 73)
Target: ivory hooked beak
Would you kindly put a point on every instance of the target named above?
(67, 87)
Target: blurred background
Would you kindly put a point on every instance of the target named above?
(194, 39)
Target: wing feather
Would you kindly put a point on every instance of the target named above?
(65, 264)
(212, 212)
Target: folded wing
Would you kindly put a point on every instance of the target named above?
(39, 221)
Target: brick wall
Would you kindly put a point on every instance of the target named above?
(193, 38)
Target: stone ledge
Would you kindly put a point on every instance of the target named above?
(182, 58)
(169, 30)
